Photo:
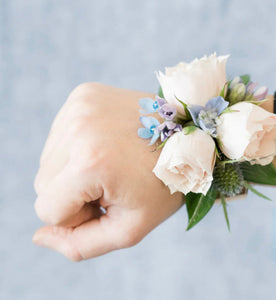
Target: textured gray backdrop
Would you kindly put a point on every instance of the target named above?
(46, 49)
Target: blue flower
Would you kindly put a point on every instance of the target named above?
(206, 116)
(149, 106)
(150, 130)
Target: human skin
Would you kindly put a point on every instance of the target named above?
(94, 159)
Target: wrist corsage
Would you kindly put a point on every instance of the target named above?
(215, 138)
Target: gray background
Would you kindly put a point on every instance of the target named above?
(46, 49)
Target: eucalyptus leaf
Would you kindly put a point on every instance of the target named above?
(250, 187)
(259, 174)
(160, 92)
(245, 78)
(198, 206)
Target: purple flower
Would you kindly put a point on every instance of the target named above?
(260, 93)
(244, 91)
(250, 87)
(167, 128)
(167, 111)
(161, 101)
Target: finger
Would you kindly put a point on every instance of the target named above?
(88, 212)
(87, 240)
(90, 239)
(65, 196)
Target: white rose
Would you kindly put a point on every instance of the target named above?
(194, 83)
(249, 133)
(186, 162)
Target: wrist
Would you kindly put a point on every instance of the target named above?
(268, 105)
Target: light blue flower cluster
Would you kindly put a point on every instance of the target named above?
(149, 131)
(149, 106)
(206, 116)
(152, 127)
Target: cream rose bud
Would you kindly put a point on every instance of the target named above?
(248, 133)
(194, 83)
(186, 162)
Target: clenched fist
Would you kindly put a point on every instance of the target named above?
(95, 187)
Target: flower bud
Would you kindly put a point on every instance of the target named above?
(237, 93)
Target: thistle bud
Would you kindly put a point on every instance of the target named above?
(228, 179)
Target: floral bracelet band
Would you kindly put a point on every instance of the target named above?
(215, 138)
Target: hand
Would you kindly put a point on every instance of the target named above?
(94, 159)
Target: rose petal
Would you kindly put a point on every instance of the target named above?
(186, 162)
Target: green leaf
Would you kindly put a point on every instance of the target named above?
(160, 92)
(199, 205)
(223, 92)
(259, 174)
(187, 113)
(217, 152)
(189, 129)
(250, 187)
(225, 211)
(245, 78)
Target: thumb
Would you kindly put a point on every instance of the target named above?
(90, 239)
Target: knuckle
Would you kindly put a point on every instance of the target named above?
(70, 248)
(86, 99)
(48, 217)
(73, 256)
(89, 85)
(77, 125)
(87, 88)
(72, 252)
